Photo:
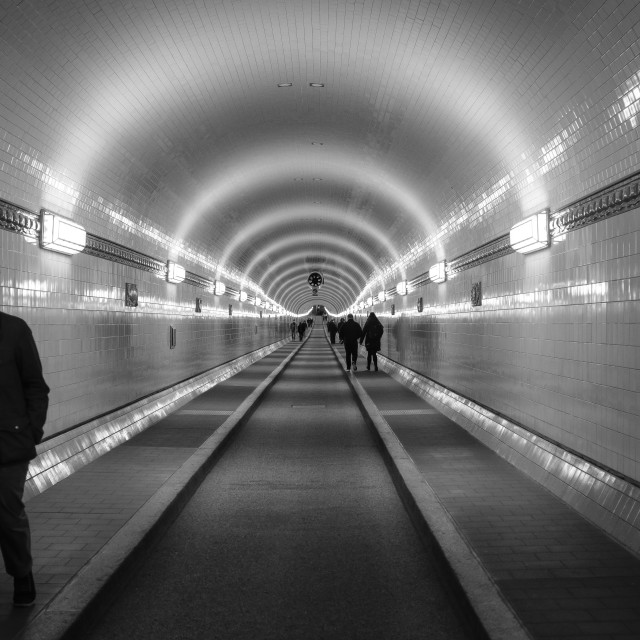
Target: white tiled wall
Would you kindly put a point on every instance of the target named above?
(555, 345)
(548, 112)
(99, 355)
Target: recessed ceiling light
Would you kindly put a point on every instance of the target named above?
(285, 84)
(318, 144)
(298, 179)
(317, 179)
(316, 84)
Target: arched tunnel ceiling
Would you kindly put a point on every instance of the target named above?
(177, 106)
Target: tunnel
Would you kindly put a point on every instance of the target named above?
(183, 182)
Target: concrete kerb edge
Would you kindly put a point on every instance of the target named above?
(84, 595)
(495, 616)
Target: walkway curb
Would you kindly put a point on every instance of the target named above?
(493, 614)
(89, 592)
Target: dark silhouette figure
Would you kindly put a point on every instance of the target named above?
(349, 335)
(371, 335)
(24, 400)
(333, 329)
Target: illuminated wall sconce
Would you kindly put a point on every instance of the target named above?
(531, 234)
(438, 272)
(198, 305)
(369, 301)
(258, 302)
(61, 234)
(362, 305)
(219, 288)
(173, 337)
(382, 296)
(419, 305)
(130, 295)
(401, 288)
(175, 272)
(243, 296)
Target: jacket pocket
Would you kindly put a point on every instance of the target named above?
(16, 443)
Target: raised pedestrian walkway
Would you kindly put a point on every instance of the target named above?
(562, 576)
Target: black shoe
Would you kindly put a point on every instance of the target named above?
(368, 368)
(355, 368)
(24, 591)
(376, 369)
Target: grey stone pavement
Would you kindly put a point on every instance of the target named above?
(562, 576)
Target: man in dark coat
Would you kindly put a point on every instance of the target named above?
(24, 399)
(350, 333)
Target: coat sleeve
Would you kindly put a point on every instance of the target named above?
(35, 389)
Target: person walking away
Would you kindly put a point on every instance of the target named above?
(24, 400)
(333, 329)
(292, 326)
(340, 325)
(302, 327)
(350, 334)
(371, 335)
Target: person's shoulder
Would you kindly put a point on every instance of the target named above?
(16, 322)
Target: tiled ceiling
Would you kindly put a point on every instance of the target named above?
(172, 107)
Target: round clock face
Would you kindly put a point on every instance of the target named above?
(315, 279)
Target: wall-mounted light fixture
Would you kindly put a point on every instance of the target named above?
(243, 296)
(382, 296)
(369, 301)
(258, 301)
(531, 234)
(438, 272)
(219, 288)
(401, 288)
(61, 234)
(175, 272)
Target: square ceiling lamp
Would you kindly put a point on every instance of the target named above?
(369, 301)
(243, 296)
(382, 296)
(175, 272)
(219, 288)
(438, 272)
(532, 234)
(258, 301)
(61, 234)
(401, 288)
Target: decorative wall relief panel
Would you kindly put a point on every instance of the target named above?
(476, 294)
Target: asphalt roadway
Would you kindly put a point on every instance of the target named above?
(297, 532)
